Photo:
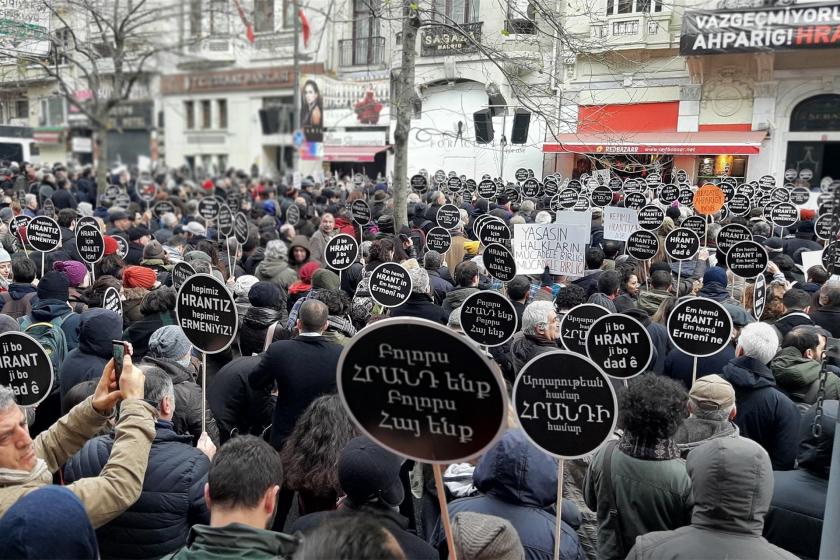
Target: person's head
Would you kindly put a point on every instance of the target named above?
(312, 317)
(519, 288)
(243, 483)
(369, 475)
(31, 201)
(327, 223)
(120, 220)
(299, 254)
(158, 389)
(809, 340)
(817, 274)
(569, 296)
(265, 294)
(609, 283)
(454, 321)
(660, 280)
(758, 341)
(466, 274)
(652, 406)
(311, 92)
(629, 280)
(139, 277)
(485, 537)
(830, 294)
(16, 449)
(594, 258)
(53, 285)
(169, 342)
(761, 229)
(540, 320)
(23, 270)
(610, 248)
(712, 398)
(75, 272)
(715, 275)
(5, 264)
(432, 260)
(419, 280)
(348, 538)
(796, 300)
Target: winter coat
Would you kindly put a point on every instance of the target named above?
(695, 431)
(318, 242)
(789, 321)
(765, 414)
(236, 407)
(97, 328)
(650, 300)
(658, 339)
(828, 318)
(236, 541)
(304, 369)
(255, 323)
(22, 296)
(717, 292)
(649, 495)
(420, 306)
(139, 332)
(456, 253)
(278, 272)
(440, 286)
(299, 241)
(456, 297)
(589, 281)
(351, 277)
(171, 501)
(625, 302)
(799, 377)
(732, 494)
(679, 365)
(187, 417)
(518, 482)
(104, 497)
(524, 348)
(47, 310)
(131, 304)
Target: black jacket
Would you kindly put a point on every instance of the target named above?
(765, 414)
(172, 499)
(304, 368)
(139, 332)
(589, 282)
(234, 404)
(97, 328)
(679, 365)
(420, 306)
(187, 417)
(255, 323)
(789, 321)
(440, 286)
(828, 318)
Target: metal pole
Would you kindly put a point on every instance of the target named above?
(296, 81)
(830, 542)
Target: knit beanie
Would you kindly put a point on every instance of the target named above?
(485, 537)
(264, 294)
(110, 245)
(307, 270)
(715, 274)
(276, 250)
(153, 250)
(243, 285)
(169, 342)
(325, 279)
(54, 285)
(139, 277)
(8, 324)
(419, 280)
(73, 270)
(4, 255)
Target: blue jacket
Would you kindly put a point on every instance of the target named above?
(97, 328)
(172, 499)
(518, 482)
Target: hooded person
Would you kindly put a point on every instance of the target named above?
(264, 311)
(77, 277)
(795, 519)
(299, 252)
(518, 482)
(301, 288)
(714, 286)
(170, 350)
(158, 309)
(138, 281)
(156, 258)
(50, 522)
(275, 266)
(241, 288)
(732, 485)
(52, 307)
(97, 329)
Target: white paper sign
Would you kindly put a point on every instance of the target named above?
(561, 247)
(811, 258)
(619, 223)
(572, 218)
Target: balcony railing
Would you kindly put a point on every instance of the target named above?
(362, 51)
(443, 40)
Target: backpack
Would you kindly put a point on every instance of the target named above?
(51, 337)
(16, 308)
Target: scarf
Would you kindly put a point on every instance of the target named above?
(299, 287)
(341, 325)
(653, 449)
(13, 477)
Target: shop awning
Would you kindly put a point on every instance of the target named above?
(676, 143)
(48, 135)
(361, 154)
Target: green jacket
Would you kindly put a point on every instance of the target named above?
(799, 377)
(649, 300)
(235, 541)
(649, 495)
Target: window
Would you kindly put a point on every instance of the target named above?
(264, 16)
(62, 42)
(189, 110)
(22, 108)
(219, 17)
(195, 18)
(288, 14)
(223, 115)
(455, 11)
(365, 22)
(52, 111)
(521, 15)
(206, 113)
(222, 159)
(615, 7)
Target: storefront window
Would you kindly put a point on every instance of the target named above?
(625, 166)
(721, 165)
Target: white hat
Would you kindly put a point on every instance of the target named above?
(195, 228)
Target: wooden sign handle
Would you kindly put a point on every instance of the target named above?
(558, 532)
(444, 511)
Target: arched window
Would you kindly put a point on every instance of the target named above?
(818, 113)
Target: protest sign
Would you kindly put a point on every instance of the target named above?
(686, 196)
(826, 225)
(650, 217)
(293, 215)
(112, 301)
(747, 189)
(147, 190)
(784, 214)
(163, 207)
(499, 262)
(759, 296)
(560, 247)
(567, 198)
(487, 189)
(699, 326)
(454, 185)
(240, 227)
(697, 224)
(488, 318)
(739, 204)
(494, 231)
(521, 174)
(731, 234)
(551, 186)
(43, 234)
(766, 182)
(669, 193)
(830, 257)
(780, 194)
(122, 245)
(421, 391)
(565, 404)
(180, 272)
(681, 244)
(531, 188)
(390, 285)
(635, 201)
(18, 226)
(206, 313)
(811, 258)
(208, 207)
(360, 211)
(620, 345)
(123, 201)
(87, 221)
(438, 239)
(90, 244)
(25, 368)
(572, 218)
(747, 259)
(708, 199)
(642, 245)
(448, 216)
(419, 183)
(225, 220)
(601, 195)
(234, 201)
(619, 223)
(800, 196)
(341, 251)
(576, 323)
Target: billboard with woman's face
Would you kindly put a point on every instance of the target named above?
(312, 112)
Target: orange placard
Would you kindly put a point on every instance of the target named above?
(708, 199)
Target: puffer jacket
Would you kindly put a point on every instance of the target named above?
(651, 300)
(172, 499)
(255, 323)
(187, 417)
(732, 484)
(456, 297)
(518, 482)
(765, 414)
(97, 328)
(799, 377)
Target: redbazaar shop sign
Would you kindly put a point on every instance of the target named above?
(807, 26)
(677, 149)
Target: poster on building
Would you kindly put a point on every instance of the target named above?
(559, 247)
(312, 111)
(25, 26)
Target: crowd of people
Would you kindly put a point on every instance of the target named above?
(728, 459)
